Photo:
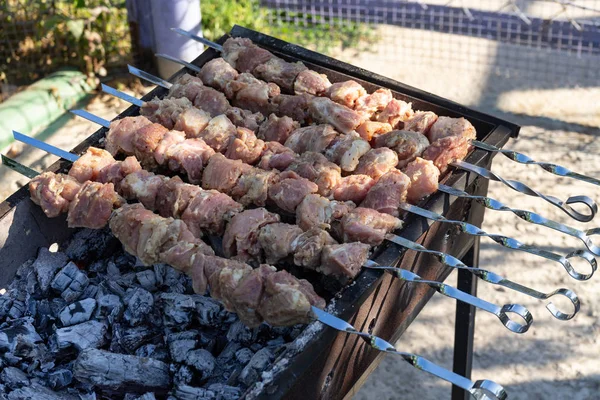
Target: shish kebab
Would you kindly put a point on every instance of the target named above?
(342, 260)
(396, 182)
(136, 219)
(374, 164)
(242, 55)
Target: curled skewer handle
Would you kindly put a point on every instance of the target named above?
(529, 216)
(512, 243)
(520, 187)
(478, 389)
(523, 159)
(452, 292)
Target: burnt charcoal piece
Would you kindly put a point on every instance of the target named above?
(46, 266)
(89, 292)
(130, 339)
(77, 312)
(208, 311)
(184, 392)
(56, 305)
(89, 244)
(127, 280)
(202, 361)
(70, 282)
(120, 371)
(90, 334)
(109, 306)
(174, 281)
(18, 335)
(112, 270)
(180, 348)
(13, 378)
(258, 363)
(139, 304)
(6, 303)
(146, 396)
(238, 332)
(244, 355)
(114, 288)
(38, 392)
(60, 378)
(147, 280)
(185, 335)
(153, 351)
(176, 309)
(183, 376)
(159, 273)
(276, 343)
(225, 392)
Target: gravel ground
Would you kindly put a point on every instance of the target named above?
(555, 359)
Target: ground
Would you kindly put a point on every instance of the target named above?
(555, 359)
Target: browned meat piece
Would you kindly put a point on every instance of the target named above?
(222, 174)
(209, 211)
(295, 107)
(344, 260)
(188, 257)
(309, 246)
(187, 86)
(368, 226)
(287, 300)
(276, 240)
(316, 168)
(190, 157)
(353, 188)
(253, 187)
(118, 170)
(218, 133)
(212, 101)
(245, 118)
(223, 277)
(244, 55)
(169, 139)
(93, 204)
(174, 196)
(245, 146)
(192, 121)
(280, 72)
(408, 145)
(369, 129)
(147, 139)
(395, 113)
(216, 73)
(319, 212)
(346, 93)
(445, 150)
(120, 134)
(276, 156)
(143, 186)
(424, 177)
(311, 138)
(240, 240)
(346, 151)
(249, 293)
(291, 190)
(377, 162)
(252, 94)
(446, 126)
(420, 122)
(344, 119)
(53, 192)
(388, 193)
(165, 111)
(277, 129)
(370, 104)
(89, 165)
(312, 83)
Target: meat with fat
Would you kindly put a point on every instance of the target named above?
(245, 146)
(290, 190)
(245, 118)
(316, 138)
(280, 72)
(277, 129)
(424, 177)
(420, 122)
(353, 188)
(377, 162)
(308, 246)
(253, 187)
(326, 111)
(312, 83)
(446, 126)
(368, 226)
(395, 113)
(346, 151)
(93, 205)
(344, 260)
(53, 192)
(243, 55)
(346, 93)
(88, 166)
(276, 240)
(240, 240)
(276, 156)
(408, 145)
(222, 174)
(119, 135)
(388, 193)
(219, 133)
(369, 105)
(217, 72)
(319, 212)
(316, 168)
(370, 129)
(295, 107)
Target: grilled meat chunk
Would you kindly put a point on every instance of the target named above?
(245, 146)
(420, 122)
(252, 94)
(346, 151)
(408, 145)
(192, 121)
(369, 226)
(222, 174)
(343, 260)
(276, 240)
(119, 135)
(311, 138)
(240, 240)
(308, 247)
(295, 107)
(316, 168)
(424, 177)
(346, 93)
(353, 188)
(388, 193)
(53, 192)
(277, 129)
(244, 118)
(291, 190)
(93, 204)
(165, 111)
(377, 162)
(89, 166)
(219, 133)
(253, 186)
(244, 55)
(280, 72)
(395, 113)
(276, 156)
(371, 104)
(210, 211)
(326, 111)
(370, 129)
(216, 73)
(319, 212)
(311, 83)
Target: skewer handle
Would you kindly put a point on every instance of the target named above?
(91, 117)
(200, 39)
(549, 167)
(45, 146)
(522, 188)
(478, 389)
(513, 243)
(149, 77)
(123, 96)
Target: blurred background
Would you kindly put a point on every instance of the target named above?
(534, 62)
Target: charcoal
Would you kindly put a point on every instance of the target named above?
(258, 363)
(202, 361)
(139, 303)
(11, 359)
(18, 306)
(146, 396)
(159, 273)
(97, 267)
(180, 348)
(244, 355)
(89, 244)
(153, 351)
(90, 334)
(183, 375)
(60, 378)
(13, 377)
(109, 306)
(70, 282)
(177, 309)
(127, 280)
(44, 317)
(77, 312)
(185, 335)
(184, 392)
(6, 303)
(207, 342)
(276, 343)
(38, 392)
(47, 366)
(130, 339)
(18, 334)
(114, 288)
(225, 392)
(174, 281)
(89, 292)
(147, 279)
(25, 269)
(120, 371)
(46, 266)
(87, 396)
(56, 306)
(208, 311)
(32, 285)
(113, 270)
(239, 332)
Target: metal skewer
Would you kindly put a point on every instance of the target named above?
(523, 159)
(480, 389)
(200, 39)
(529, 216)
